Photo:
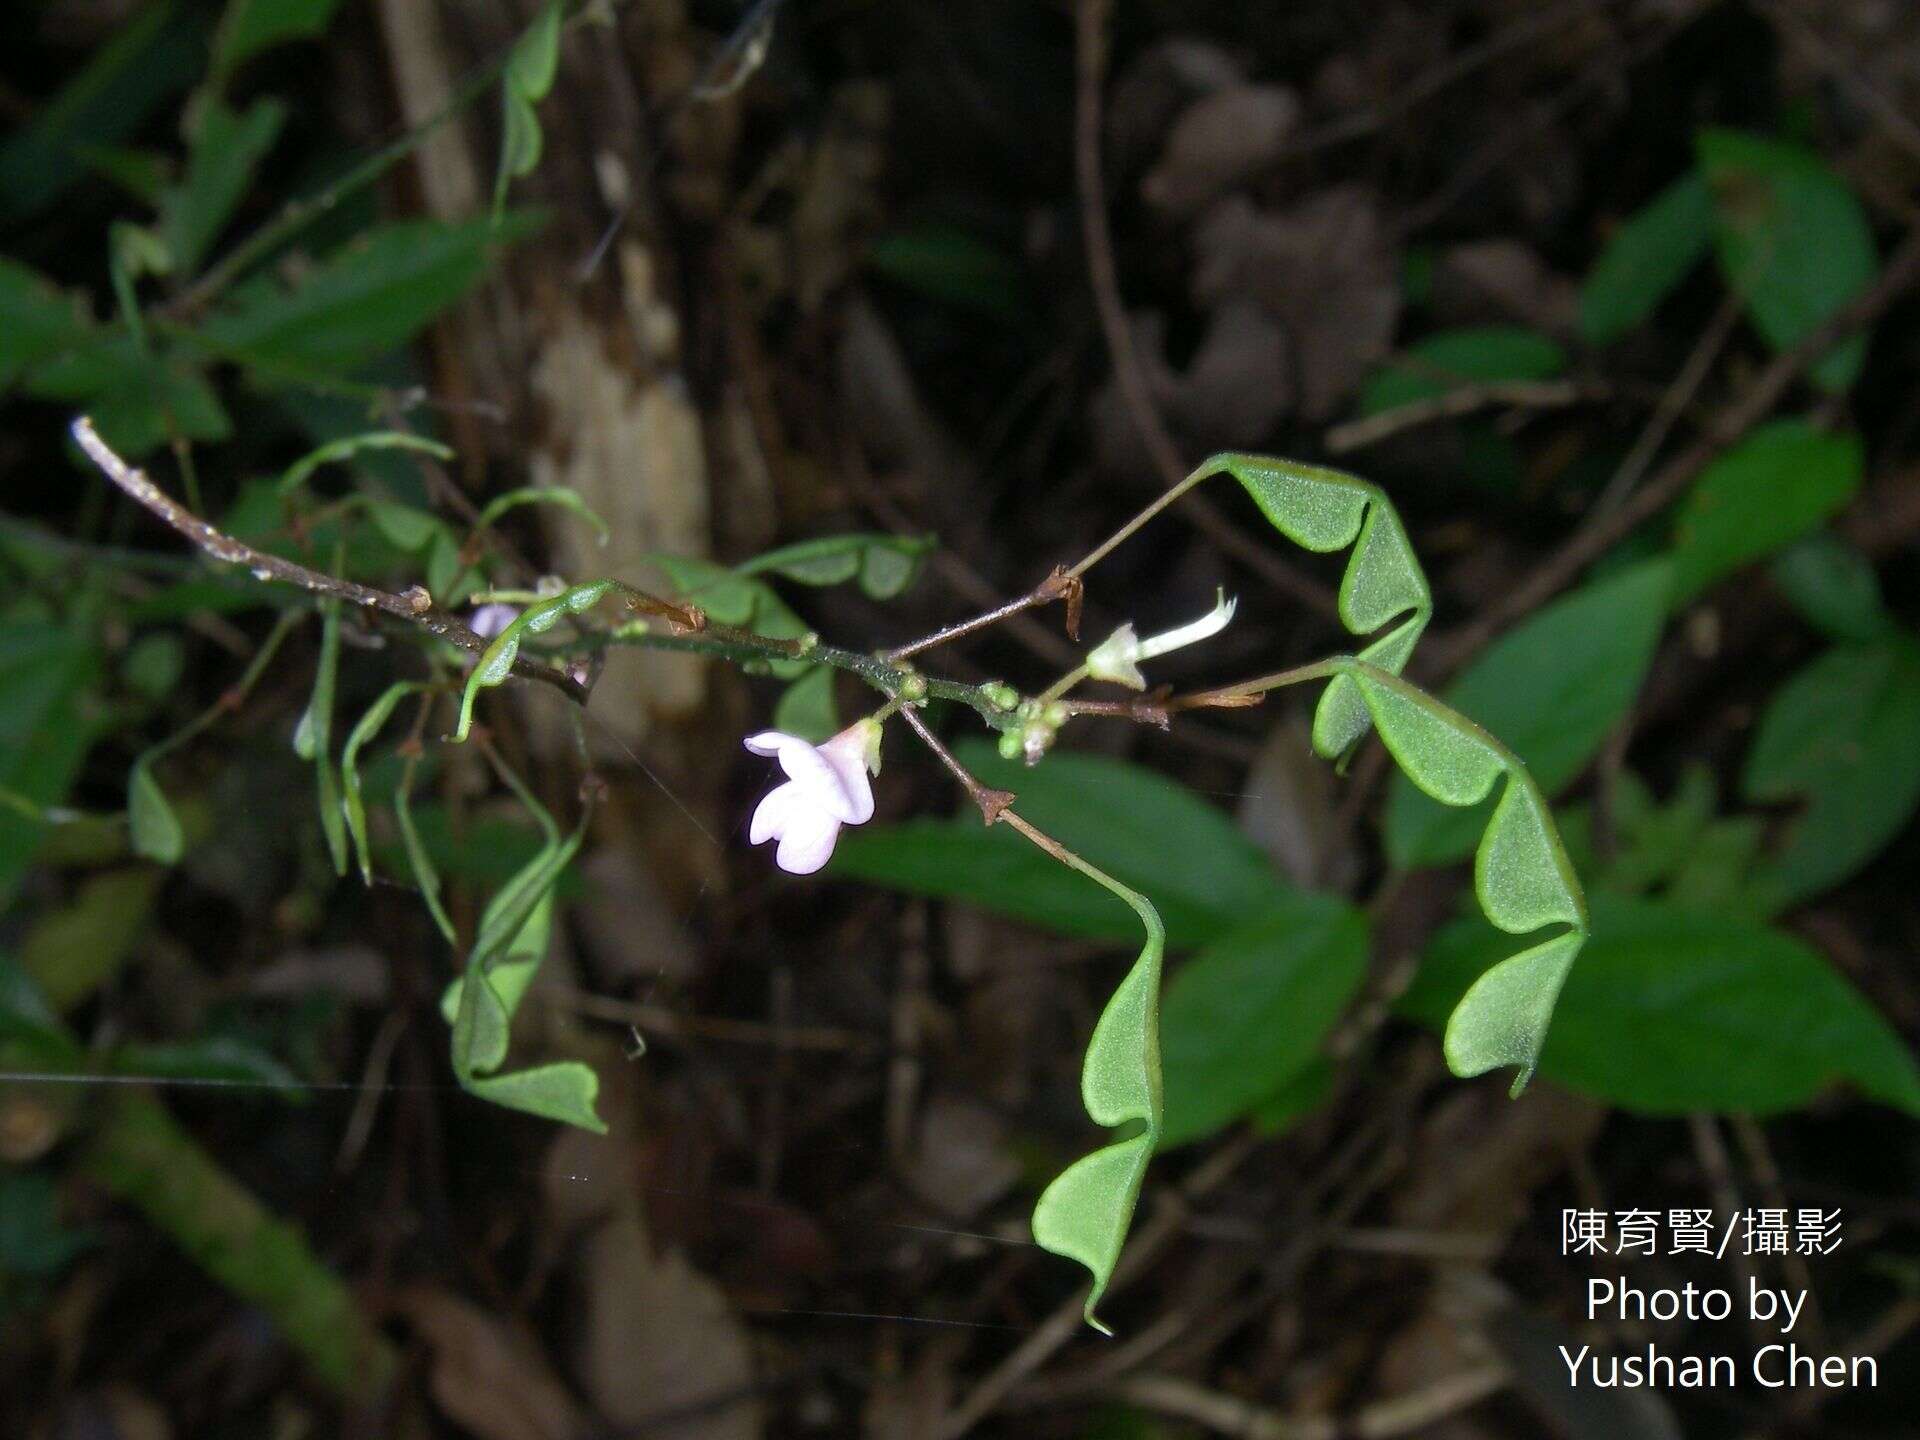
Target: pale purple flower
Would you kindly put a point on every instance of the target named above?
(826, 787)
(489, 620)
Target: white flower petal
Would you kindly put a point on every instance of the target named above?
(768, 742)
(808, 842)
(846, 753)
(773, 814)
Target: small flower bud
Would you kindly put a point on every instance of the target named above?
(1117, 658)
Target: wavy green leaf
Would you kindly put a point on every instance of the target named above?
(496, 661)
(1321, 509)
(1084, 1214)
(527, 79)
(1521, 874)
(1551, 688)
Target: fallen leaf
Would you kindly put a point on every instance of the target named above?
(1324, 269)
(1221, 141)
(960, 1159)
(486, 1375)
(659, 1339)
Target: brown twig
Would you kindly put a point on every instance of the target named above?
(414, 605)
(1600, 532)
(1058, 585)
(1463, 400)
(1103, 275)
(993, 803)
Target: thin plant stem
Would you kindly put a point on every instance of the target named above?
(231, 698)
(1247, 691)
(1059, 585)
(415, 605)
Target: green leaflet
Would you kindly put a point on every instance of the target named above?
(884, 565)
(377, 714)
(500, 966)
(155, 829)
(1322, 509)
(1838, 736)
(312, 737)
(562, 495)
(528, 78)
(496, 661)
(347, 446)
(1646, 259)
(1085, 1212)
(1521, 874)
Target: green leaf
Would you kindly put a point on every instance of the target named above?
(952, 265)
(1453, 358)
(564, 496)
(1792, 238)
(1149, 832)
(1769, 490)
(1552, 688)
(565, 1090)
(377, 715)
(155, 54)
(138, 401)
(364, 299)
(1321, 509)
(505, 956)
(884, 564)
(313, 736)
(37, 320)
(33, 1241)
(47, 725)
(406, 529)
(805, 708)
(1646, 259)
(336, 452)
(1833, 586)
(528, 78)
(726, 597)
(520, 145)
(1673, 1010)
(419, 859)
(155, 829)
(496, 661)
(225, 149)
(1840, 735)
(536, 55)
(220, 1057)
(1084, 1214)
(29, 1021)
(1522, 877)
(251, 26)
(1243, 1019)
